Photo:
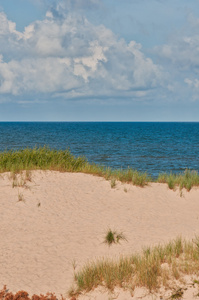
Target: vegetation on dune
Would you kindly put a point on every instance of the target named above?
(156, 267)
(160, 265)
(186, 180)
(153, 268)
(40, 158)
(49, 159)
(59, 160)
(23, 295)
(113, 237)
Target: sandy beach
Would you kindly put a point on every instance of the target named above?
(57, 222)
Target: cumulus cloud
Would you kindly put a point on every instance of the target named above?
(181, 55)
(183, 48)
(65, 54)
(183, 52)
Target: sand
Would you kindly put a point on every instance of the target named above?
(62, 220)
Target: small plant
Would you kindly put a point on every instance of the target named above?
(114, 237)
(13, 176)
(14, 183)
(125, 190)
(171, 181)
(113, 183)
(74, 264)
(195, 281)
(177, 294)
(28, 175)
(18, 179)
(21, 197)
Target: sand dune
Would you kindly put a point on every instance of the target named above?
(62, 220)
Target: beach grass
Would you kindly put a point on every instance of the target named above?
(154, 267)
(186, 180)
(59, 160)
(62, 160)
(40, 158)
(114, 237)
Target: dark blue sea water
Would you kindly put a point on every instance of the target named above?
(151, 147)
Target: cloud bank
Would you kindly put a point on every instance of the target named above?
(66, 55)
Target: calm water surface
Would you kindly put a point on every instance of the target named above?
(152, 147)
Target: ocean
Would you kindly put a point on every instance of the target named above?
(152, 147)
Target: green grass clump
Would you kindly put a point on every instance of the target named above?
(131, 176)
(186, 180)
(40, 158)
(142, 270)
(113, 237)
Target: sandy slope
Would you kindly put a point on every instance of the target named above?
(63, 219)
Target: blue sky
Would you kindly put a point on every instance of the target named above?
(99, 60)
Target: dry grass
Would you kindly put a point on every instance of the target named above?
(151, 269)
(19, 179)
(21, 197)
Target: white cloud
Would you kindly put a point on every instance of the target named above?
(181, 56)
(7, 27)
(182, 50)
(71, 56)
(192, 83)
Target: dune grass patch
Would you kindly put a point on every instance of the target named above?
(39, 158)
(154, 267)
(62, 160)
(186, 180)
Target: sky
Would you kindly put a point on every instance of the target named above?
(99, 60)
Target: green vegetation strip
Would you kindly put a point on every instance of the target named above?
(153, 268)
(48, 159)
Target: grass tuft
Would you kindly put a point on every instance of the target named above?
(113, 183)
(21, 197)
(186, 180)
(112, 237)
